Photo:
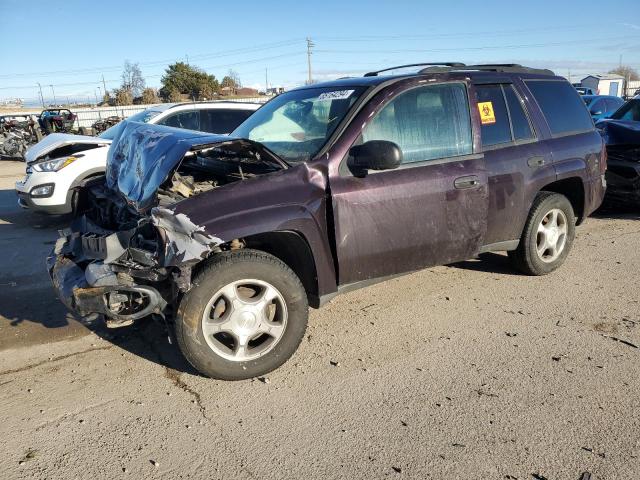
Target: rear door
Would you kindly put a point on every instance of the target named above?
(432, 209)
(514, 158)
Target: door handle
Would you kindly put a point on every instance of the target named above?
(470, 181)
(536, 161)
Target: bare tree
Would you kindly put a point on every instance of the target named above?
(627, 72)
(231, 81)
(132, 79)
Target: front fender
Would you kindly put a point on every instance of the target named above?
(291, 200)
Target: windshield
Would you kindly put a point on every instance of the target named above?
(297, 124)
(628, 111)
(143, 116)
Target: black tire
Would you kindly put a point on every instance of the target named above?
(220, 271)
(525, 258)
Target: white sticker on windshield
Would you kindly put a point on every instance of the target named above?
(337, 95)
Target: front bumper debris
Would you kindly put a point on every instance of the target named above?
(129, 274)
(121, 304)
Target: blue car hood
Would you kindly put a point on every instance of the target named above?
(142, 156)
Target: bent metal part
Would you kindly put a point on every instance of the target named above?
(163, 245)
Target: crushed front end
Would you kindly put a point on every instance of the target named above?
(131, 273)
(129, 253)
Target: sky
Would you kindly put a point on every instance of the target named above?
(71, 44)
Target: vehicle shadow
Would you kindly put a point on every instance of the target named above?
(488, 263)
(617, 212)
(12, 213)
(148, 339)
(30, 311)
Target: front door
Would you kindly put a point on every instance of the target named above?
(433, 208)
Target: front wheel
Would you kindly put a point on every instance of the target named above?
(245, 316)
(547, 237)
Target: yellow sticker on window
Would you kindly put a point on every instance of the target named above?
(486, 113)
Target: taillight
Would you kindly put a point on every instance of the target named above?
(603, 158)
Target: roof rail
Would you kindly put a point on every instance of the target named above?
(495, 67)
(442, 64)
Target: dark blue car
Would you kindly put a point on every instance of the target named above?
(601, 106)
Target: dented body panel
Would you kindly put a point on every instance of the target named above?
(56, 141)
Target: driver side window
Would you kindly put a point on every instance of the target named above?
(427, 123)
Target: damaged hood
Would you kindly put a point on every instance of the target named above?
(142, 156)
(57, 140)
(620, 132)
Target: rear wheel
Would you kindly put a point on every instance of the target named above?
(548, 235)
(244, 316)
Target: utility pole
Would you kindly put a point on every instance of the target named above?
(266, 81)
(104, 84)
(54, 95)
(310, 45)
(94, 92)
(41, 96)
(187, 59)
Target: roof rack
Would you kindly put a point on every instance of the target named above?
(433, 64)
(492, 67)
(444, 67)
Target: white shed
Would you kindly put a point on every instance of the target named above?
(604, 84)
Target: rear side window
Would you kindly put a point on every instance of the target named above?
(221, 120)
(519, 120)
(495, 129)
(427, 123)
(508, 121)
(561, 105)
(189, 120)
(613, 104)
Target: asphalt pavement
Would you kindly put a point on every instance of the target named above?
(469, 371)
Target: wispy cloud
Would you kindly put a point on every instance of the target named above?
(631, 25)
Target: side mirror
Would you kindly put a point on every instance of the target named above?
(374, 155)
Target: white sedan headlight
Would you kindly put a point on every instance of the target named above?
(54, 165)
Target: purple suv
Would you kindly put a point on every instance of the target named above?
(324, 189)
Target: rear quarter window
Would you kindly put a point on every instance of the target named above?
(561, 105)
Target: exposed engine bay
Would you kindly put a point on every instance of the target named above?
(128, 261)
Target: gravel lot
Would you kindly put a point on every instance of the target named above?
(468, 371)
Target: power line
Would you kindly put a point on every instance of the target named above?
(487, 47)
(219, 66)
(367, 38)
(310, 45)
(201, 56)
